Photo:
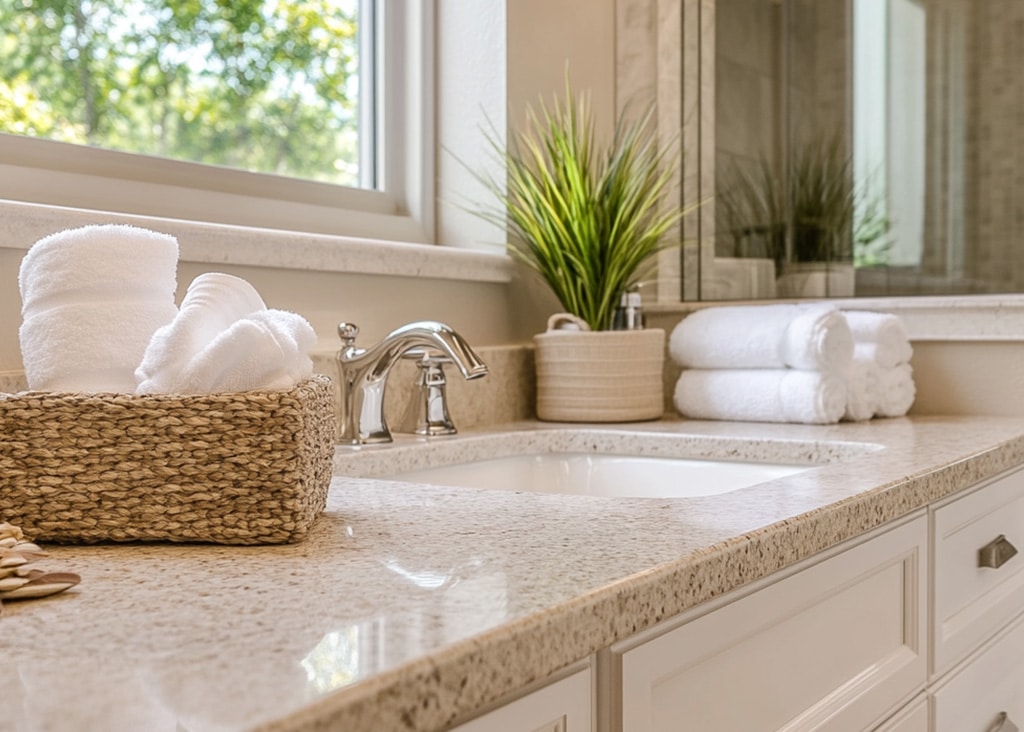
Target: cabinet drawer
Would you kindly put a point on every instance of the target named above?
(973, 602)
(836, 646)
(992, 683)
(561, 706)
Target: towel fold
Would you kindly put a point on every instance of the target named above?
(885, 332)
(896, 391)
(224, 339)
(761, 395)
(212, 303)
(262, 351)
(807, 337)
(89, 347)
(92, 298)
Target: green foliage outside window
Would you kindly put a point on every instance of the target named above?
(263, 85)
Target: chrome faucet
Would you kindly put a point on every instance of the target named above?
(363, 374)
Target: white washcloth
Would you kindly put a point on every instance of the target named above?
(224, 339)
(896, 391)
(89, 347)
(761, 395)
(810, 337)
(267, 350)
(885, 331)
(105, 262)
(92, 298)
(213, 302)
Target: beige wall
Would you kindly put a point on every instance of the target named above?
(547, 36)
(969, 377)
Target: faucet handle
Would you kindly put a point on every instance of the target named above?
(427, 413)
(347, 332)
(427, 357)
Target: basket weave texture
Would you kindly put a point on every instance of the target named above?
(233, 468)
(600, 376)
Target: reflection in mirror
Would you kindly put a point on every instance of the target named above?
(867, 147)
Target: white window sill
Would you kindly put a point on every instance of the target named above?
(22, 224)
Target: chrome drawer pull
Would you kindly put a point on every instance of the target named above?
(996, 553)
(1002, 724)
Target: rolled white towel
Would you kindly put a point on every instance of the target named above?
(885, 331)
(862, 389)
(896, 391)
(89, 346)
(213, 302)
(761, 395)
(809, 337)
(104, 262)
(92, 298)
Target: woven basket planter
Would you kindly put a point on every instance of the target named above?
(600, 376)
(239, 468)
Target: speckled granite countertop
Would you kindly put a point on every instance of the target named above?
(409, 606)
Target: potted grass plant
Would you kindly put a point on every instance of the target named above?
(588, 219)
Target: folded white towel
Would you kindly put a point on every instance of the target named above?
(90, 346)
(761, 395)
(105, 262)
(885, 331)
(267, 350)
(810, 337)
(896, 391)
(213, 302)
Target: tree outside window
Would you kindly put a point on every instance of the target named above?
(269, 86)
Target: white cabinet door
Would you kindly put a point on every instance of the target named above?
(839, 645)
(562, 706)
(986, 694)
(913, 718)
(973, 602)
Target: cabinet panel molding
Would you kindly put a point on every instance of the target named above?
(838, 645)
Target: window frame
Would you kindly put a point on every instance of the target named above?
(40, 171)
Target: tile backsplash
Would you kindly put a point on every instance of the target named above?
(506, 394)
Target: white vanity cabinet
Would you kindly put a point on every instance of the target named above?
(838, 643)
(978, 669)
(565, 705)
(912, 718)
(915, 627)
(972, 602)
(986, 694)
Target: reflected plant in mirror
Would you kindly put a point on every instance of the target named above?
(811, 218)
(926, 97)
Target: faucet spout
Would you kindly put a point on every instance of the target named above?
(363, 374)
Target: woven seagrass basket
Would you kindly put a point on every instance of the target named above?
(233, 468)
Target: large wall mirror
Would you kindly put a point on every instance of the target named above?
(856, 147)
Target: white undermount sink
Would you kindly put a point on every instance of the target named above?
(601, 474)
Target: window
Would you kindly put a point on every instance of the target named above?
(253, 112)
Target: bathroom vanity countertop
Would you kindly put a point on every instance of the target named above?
(410, 606)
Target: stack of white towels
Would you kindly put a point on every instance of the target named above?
(812, 364)
(99, 315)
